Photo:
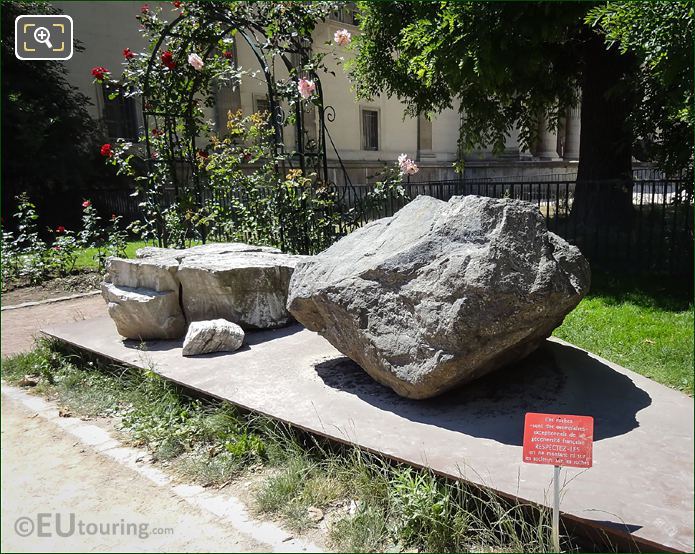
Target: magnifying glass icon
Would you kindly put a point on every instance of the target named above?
(43, 36)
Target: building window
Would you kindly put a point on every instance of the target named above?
(261, 104)
(424, 134)
(345, 14)
(370, 129)
(120, 113)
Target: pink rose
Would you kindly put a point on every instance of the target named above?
(407, 166)
(196, 61)
(86, 204)
(306, 88)
(342, 37)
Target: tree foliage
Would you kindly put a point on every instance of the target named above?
(660, 34)
(507, 65)
(48, 136)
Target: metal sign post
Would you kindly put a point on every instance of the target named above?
(556, 509)
(558, 440)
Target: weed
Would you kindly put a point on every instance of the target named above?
(369, 503)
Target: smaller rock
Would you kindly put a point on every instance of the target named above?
(144, 314)
(215, 335)
(315, 514)
(156, 273)
(29, 381)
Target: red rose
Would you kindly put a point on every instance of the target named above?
(106, 150)
(100, 73)
(60, 229)
(202, 154)
(145, 9)
(128, 54)
(157, 133)
(86, 204)
(177, 4)
(227, 54)
(168, 60)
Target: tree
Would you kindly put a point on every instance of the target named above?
(512, 64)
(660, 34)
(48, 136)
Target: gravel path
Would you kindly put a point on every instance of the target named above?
(46, 471)
(49, 468)
(21, 325)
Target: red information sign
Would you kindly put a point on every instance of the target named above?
(558, 440)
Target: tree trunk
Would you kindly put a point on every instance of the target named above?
(603, 196)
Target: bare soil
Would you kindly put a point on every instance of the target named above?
(44, 470)
(18, 293)
(19, 327)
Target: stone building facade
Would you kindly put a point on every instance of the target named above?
(367, 134)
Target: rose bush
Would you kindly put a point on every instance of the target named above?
(26, 257)
(240, 182)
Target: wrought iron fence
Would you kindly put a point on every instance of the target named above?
(658, 238)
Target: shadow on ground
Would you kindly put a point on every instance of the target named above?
(556, 378)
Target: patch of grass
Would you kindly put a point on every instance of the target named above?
(369, 503)
(84, 387)
(155, 413)
(375, 506)
(365, 531)
(86, 256)
(299, 484)
(644, 324)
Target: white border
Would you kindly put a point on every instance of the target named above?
(16, 36)
(229, 508)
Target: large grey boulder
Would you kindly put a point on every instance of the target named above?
(442, 292)
(246, 287)
(217, 335)
(144, 314)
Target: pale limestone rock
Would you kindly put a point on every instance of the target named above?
(155, 273)
(217, 335)
(212, 248)
(242, 283)
(144, 314)
(155, 252)
(247, 288)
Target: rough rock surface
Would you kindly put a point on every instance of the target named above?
(239, 282)
(217, 335)
(144, 314)
(213, 248)
(248, 288)
(442, 292)
(157, 273)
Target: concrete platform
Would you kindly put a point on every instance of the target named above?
(641, 485)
